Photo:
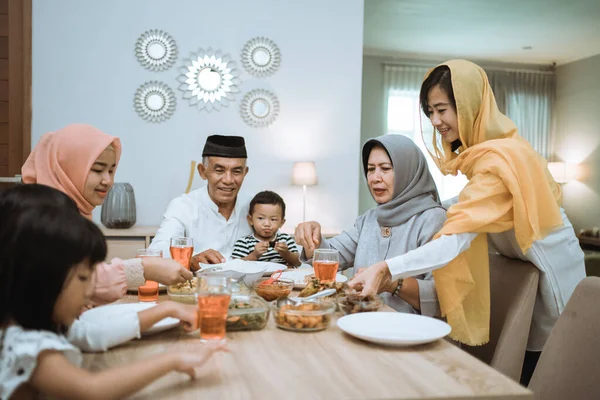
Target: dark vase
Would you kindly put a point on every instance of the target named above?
(118, 210)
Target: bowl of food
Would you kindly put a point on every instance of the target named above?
(185, 292)
(247, 312)
(305, 316)
(355, 303)
(314, 286)
(273, 289)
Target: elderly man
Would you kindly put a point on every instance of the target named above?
(213, 216)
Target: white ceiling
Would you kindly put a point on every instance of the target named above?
(558, 31)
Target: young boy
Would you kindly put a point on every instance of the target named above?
(267, 215)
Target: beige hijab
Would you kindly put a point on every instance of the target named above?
(509, 187)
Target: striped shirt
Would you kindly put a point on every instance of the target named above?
(244, 246)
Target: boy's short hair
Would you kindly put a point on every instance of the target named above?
(268, 197)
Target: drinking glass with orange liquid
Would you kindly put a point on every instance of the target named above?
(181, 250)
(149, 290)
(214, 293)
(326, 263)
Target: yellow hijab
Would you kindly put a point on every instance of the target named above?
(509, 187)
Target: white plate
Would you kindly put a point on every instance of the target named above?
(394, 328)
(298, 276)
(104, 314)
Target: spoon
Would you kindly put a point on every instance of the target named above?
(324, 293)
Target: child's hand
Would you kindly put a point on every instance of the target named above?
(191, 360)
(260, 248)
(281, 247)
(186, 313)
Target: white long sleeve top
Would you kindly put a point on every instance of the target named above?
(558, 257)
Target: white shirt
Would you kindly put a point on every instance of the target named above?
(195, 215)
(92, 337)
(20, 351)
(558, 257)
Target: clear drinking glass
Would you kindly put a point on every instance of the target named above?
(181, 250)
(214, 294)
(326, 263)
(149, 290)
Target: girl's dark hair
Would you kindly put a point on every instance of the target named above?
(439, 76)
(40, 243)
(22, 197)
(268, 197)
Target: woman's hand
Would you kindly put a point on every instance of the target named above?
(165, 271)
(372, 280)
(308, 235)
(189, 361)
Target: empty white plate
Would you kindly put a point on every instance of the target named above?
(104, 314)
(394, 328)
(297, 275)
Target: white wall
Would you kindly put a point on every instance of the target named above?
(578, 137)
(84, 70)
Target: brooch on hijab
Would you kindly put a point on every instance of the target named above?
(386, 231)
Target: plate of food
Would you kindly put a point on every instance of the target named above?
(393, 328)
(303, 276)
(184, 292)
(103, 314)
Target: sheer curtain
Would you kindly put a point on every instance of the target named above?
(527, 97)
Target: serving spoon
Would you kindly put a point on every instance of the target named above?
(324, 293)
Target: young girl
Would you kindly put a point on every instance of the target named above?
(47, 259)
(85, 335)
(510, 201)
(81, 161)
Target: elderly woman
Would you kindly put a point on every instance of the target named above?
(407, 216)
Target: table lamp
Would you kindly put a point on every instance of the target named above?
(304, 174)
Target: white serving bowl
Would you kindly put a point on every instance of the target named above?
(235, 269)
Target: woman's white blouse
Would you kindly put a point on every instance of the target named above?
(20, 351)
(558, 257)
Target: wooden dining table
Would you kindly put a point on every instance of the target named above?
(277, 364)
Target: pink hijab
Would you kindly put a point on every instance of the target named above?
(63, 160)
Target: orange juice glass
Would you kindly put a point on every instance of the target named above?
(181, 250)
(214, 293)
(326, 263)
(149, 290)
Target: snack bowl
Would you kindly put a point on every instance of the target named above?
(247, 312)
(272, 291)
(355, 303)
(183, 292)
(306, 316)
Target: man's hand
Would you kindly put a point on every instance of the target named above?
(209, 256)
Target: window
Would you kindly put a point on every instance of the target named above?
(404, 117)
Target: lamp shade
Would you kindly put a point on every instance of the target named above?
(304, 173)
(562, 172)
